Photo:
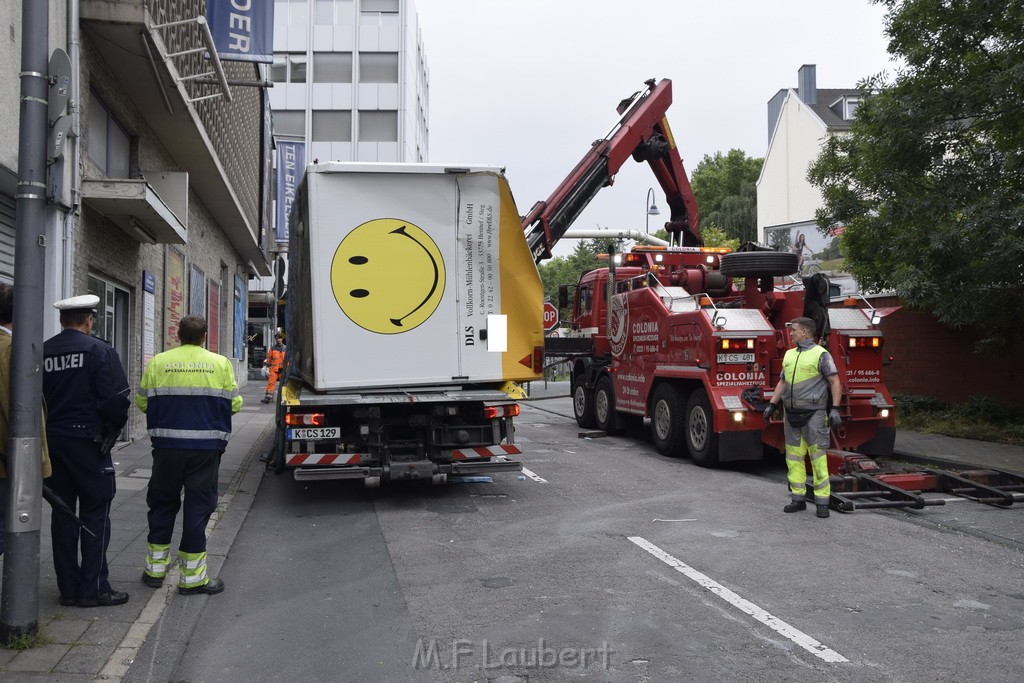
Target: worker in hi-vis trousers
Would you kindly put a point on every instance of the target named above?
(189, 395)
(809, 375)
(274, 362)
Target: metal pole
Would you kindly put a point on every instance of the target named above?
(19, 608)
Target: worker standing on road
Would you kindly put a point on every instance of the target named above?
(6, 320)
(808, 376)
(189, 395)
(87, 399)
(274, 362)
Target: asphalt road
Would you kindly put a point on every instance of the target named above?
(605, 562)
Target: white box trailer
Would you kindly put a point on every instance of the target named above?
(414, 307)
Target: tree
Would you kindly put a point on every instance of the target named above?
(726, 193)
(567, 270)
(929, 183)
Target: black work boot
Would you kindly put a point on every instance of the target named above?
(266, 399)
(822, 511)
(795, 506)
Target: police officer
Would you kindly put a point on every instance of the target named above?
(809, 375)
(189, 395)
(87, 400)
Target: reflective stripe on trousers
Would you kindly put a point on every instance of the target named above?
(157, 560)
(796, 472)
(193, 569)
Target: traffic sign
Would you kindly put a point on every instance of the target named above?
(550, 316)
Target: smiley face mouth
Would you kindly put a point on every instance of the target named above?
(361, 293)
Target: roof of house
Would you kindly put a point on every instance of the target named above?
(826, 98)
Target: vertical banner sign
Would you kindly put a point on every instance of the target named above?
(174, 295)
(239, 316)
(243, 30)
(213, 317)
(291, 164)
(197, 293)
(148, 316)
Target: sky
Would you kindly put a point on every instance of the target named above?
(529, 84)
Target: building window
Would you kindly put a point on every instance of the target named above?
(110, 147)
(851, 108)
(291, 123)
(380, 5)
(332, 126)
(332, 67)
(289, 68)
(378, 67)
(111, 322)
(291, 12)
(378, 126)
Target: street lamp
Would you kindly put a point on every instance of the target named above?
(653, 211)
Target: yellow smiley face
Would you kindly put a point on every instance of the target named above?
(388, 276)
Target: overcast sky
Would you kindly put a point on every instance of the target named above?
(530, 84)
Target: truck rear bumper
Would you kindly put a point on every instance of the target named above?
(408, 471)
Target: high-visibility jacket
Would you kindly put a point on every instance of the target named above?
(189, 395)
(804, 372)
(275, 358)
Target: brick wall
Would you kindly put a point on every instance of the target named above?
(932, 359)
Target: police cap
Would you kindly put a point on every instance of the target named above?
(85, 303)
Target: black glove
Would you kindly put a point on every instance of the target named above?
(834, 420)
(769, 411)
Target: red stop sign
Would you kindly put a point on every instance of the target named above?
(550, 316)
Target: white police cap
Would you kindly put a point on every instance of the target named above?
(84, 302)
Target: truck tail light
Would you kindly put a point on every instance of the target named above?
(304, 419)
(506, 410)
(865, 342)
(736, 344)
(538, 359)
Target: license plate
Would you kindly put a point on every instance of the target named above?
(314, 433)
(735, 358)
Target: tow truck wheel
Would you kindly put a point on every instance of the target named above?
(667, 431)
(583, 405)
(759, 263)
(604, 407)
(701, 438)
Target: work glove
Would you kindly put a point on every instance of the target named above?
(834, 420)
(769, 411)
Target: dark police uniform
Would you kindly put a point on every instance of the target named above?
(87, 399)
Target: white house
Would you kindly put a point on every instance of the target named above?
(799, 121)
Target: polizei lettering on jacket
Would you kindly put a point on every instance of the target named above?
(66, 362)
(191, 366)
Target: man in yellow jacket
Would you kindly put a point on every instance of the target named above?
(6, 319)
(809, 378)
(189, 395)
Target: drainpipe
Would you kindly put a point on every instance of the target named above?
(75, 109)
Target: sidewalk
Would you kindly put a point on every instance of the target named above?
(100, 643)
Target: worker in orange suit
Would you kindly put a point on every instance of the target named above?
(274, 363)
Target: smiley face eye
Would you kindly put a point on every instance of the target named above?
(359, 293)
(358, 260)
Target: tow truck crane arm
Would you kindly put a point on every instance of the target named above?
(642, 132)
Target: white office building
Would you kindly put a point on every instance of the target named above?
(350, 78)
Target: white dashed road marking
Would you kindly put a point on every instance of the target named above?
(778, 625)
(531, 475)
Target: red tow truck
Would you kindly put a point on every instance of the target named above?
(693, 336)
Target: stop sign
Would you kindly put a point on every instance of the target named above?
(550, 316)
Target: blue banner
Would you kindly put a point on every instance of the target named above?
(291, 164)
(243, 30)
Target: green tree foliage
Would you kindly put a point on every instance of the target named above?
(930, 181)
(567, 270)
(726, 193)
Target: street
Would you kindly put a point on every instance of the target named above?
(606, 561)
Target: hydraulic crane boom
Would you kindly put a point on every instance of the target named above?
(642, 132)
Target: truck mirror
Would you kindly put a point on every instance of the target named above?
(875, 318)
(563, 296)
